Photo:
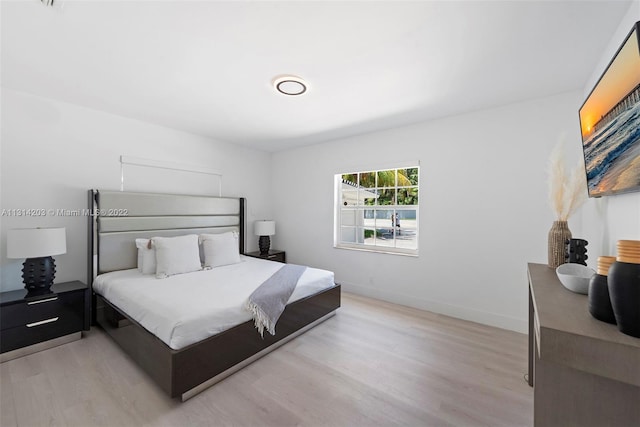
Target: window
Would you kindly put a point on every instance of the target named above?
(378, 210)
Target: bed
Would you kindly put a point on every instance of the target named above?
(180, 358)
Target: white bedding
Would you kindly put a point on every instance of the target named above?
(187, 308)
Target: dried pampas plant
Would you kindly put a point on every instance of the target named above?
(566, 193)
(556, 179)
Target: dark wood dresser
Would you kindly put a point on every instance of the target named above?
(31, 323)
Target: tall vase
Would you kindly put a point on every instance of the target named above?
(624, 287)
(599, 299)
(558, 236)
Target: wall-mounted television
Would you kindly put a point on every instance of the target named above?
(610, 123)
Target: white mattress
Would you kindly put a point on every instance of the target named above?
(187, 308)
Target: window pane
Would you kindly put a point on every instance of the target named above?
(381, 223)
(367, 179)
(350, 177)
(407, 177)
(385, 238)
(383, 218)
(350, 198)
(369, 219)
(408, 196)
(387, 178)
(348, 235)
(369, 236)
(384, 227)
(386, 197)
(407, 229)
(368, 197)
(348, 217)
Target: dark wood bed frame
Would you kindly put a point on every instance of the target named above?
(184, 373)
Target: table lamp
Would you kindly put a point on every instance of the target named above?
(37, 245)
(264, 229)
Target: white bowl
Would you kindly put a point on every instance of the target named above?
(575, 277)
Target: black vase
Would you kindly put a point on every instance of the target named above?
(624, 290)
(599, 301)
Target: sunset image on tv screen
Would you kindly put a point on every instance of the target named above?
(610, 124)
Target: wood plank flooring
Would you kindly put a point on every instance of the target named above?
(373, 364)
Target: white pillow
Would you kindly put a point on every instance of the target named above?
(220, 249)
(146, 256)
(176, 255)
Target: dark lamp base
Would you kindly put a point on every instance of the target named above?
(38, 273)
(264, 242)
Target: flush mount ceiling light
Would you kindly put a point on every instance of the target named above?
(290, 85)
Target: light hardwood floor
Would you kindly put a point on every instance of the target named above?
(374, 363)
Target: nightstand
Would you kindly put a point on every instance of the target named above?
(273, 255)
(33, 323)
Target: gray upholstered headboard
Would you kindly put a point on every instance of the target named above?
(119, 217)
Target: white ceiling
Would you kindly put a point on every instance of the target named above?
(206, 66)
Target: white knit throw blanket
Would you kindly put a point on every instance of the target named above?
(268, 301)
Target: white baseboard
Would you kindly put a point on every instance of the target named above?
(465, 313)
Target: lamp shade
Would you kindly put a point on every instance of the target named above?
(36, 242)
(264, 228)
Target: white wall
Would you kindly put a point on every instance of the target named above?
(53, 152)
(609, 219)
(483, 208)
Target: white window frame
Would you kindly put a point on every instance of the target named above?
(339, 207)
